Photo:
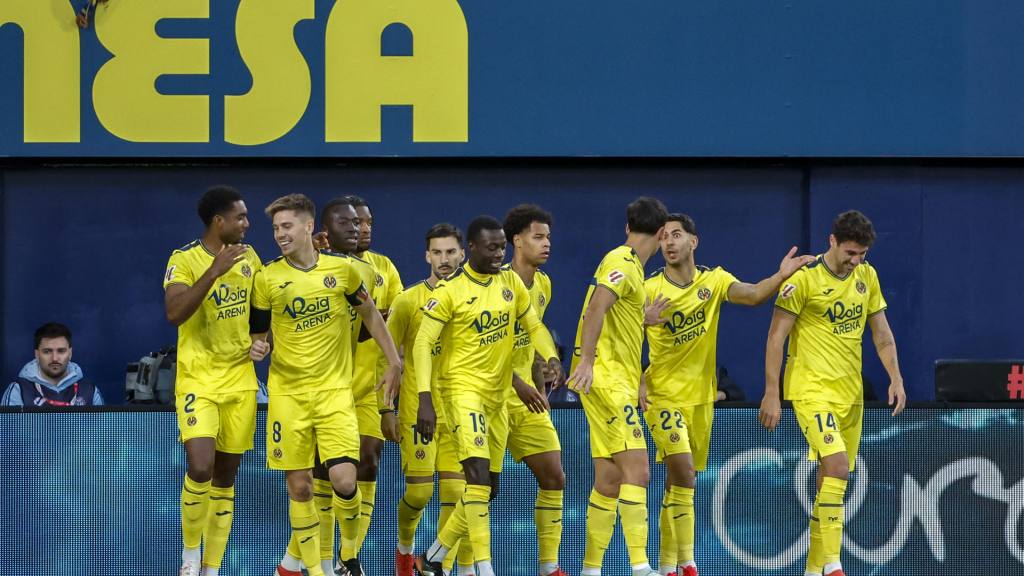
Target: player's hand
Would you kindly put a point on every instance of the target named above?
(391, 380)
(771, 412)
(389, 426)
(426, 418)
(554, 372)
(897, 396)
(642, 397)
(653, 309)
(320, 241)
(259, 350)
(228, 256)
(534, 400)
(582, 378)
(791, 263)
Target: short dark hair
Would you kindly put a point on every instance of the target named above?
(520, 218)
(443, 230)
(479, 224)
(356, 201)
(52, 330)
(853, 226)
(646, 215)
(684, 220)
(325, 212)
(216, 200)
(298, 203)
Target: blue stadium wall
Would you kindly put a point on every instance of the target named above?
(88, 245)
(915, 506)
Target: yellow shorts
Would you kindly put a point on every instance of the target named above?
(230, 418)
(420, 458)
(299, 424)
(682, 429)
(530, 433)
(478, 427)
(368, 415)
(830, 428)
(614, 422)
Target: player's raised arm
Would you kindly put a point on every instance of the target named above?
(757, 294)
(771, 407)
(601, 300)
(885, 346)
(182, 298)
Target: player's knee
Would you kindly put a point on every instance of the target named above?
(201, 470)
(345, 486)
(636, 477)
(418, 495)
(552, 479)
(300, 488)
(836, 467)
(608, 484)
(477, 472)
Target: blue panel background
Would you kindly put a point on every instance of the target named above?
(89, 246)
(108, 493)
(660, 78)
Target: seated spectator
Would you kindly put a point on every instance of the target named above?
(52, 379)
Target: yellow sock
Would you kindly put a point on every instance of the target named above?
(322, 499)
(667, 554)
(601, 514)
(410, 510)
(368, 490)
(347, 512)
(475, 504)
(449, 492)
(293, 547)
(815, 560)
(831, 517)
(682, 522)
(195, 504)
(306, 531)
(463, 550)
(218, 525)
(547, 514)
(633, 511)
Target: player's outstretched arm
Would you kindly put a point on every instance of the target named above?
(601, 300)
(757, 294)
(181, 301)
(885, 346)
(426, 417)
(374, 323)
(771, 407)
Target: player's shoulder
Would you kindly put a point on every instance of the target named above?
(379, 260)
(188, 248)
(274, 262)
(655, 276)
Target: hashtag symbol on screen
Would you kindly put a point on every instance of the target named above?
(1015, 382)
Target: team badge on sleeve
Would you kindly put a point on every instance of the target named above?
(507, 294)
(615, 276)
(330, 281)
(170, 272)
(379, 281)
(542, 301)
(430, 305)
(788, 290)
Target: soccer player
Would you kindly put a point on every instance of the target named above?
(421, 456)
(207, 291)
(474, 311)
(680, 384)
(376, 418)
(823, 309)
(532, 438)
(606, 370)
(301, 297)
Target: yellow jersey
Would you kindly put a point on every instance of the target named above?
(404, 321)
(382, 280)
(523, 351)
(310, 322)
(474, 314)
(617, 362)
(213, 344)
(683, 370)
(824, 354)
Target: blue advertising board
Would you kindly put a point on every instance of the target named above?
(310, 78)
(936, 492)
